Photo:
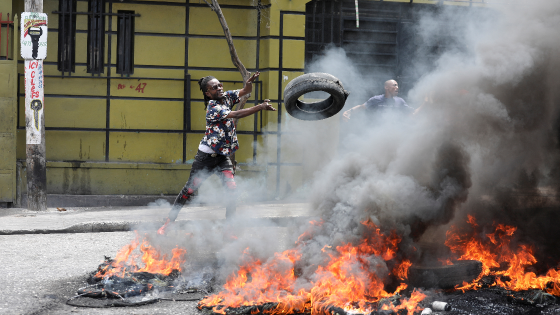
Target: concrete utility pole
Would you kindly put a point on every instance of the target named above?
(34, 50)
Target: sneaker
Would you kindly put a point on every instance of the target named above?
(163, 230)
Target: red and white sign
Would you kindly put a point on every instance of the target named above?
(34, 100)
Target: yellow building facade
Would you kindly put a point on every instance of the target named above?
(123, 111)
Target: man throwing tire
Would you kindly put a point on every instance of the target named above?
(218, 144)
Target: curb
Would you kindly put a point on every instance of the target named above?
(62, 200)
(102, 227)
(88, 227)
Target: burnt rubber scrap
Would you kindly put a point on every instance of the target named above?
(136, 288)
(312, 82)
(444, 277)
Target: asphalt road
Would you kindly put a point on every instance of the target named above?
(40, 272)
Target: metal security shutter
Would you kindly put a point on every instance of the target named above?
(387, 44)
(373, 46)
(322, 26)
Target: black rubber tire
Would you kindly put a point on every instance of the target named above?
(312, 82)
(444, 277)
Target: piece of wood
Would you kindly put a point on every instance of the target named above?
(215, 6)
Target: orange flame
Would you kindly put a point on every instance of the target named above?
(495, 250)
(347, 281)
(401, 270)
(307, 234)
(410, 305)
(445, 262)
(153, 259)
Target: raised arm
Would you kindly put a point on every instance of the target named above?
(251, 110)
(359, 108)
(248, 88)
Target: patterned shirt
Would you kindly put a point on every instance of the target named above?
(220, 131)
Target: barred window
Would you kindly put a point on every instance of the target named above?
(96, 36)
(66, 59)
(125, 42)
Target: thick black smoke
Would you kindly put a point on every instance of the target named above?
(485, 142)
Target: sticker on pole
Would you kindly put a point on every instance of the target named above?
(34, 35)
(34, 101)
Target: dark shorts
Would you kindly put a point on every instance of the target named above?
(211, 163)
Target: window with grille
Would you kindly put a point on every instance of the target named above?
(96, 36)
(66, 59)
(125, 42)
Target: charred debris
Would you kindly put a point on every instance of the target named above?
(131, 288)
(134, 289)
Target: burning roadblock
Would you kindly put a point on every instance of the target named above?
(357, 258)
(351, 278)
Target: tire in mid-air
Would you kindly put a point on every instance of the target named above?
(312, 82)
(444, 277)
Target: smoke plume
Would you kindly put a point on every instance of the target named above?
(484, 140)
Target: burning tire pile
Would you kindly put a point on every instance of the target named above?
(494, 278)
(444, 277)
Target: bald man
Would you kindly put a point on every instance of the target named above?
(387, 100)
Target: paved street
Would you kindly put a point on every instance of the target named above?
(40, 271)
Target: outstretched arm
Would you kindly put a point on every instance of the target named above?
(248, 88)
(346, 114)
(251, 110)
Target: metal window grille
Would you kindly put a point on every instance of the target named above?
(96, 36)
(66, 36)
(9, 25)
(125, 42)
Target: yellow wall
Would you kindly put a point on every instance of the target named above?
(139, 119)
(113, 134)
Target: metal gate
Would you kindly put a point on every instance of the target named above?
(380, 37)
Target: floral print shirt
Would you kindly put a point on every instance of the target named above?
(220, 131)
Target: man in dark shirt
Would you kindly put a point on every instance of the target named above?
(219, 142)
(387, 100)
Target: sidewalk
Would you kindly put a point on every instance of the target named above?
(114, 219)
